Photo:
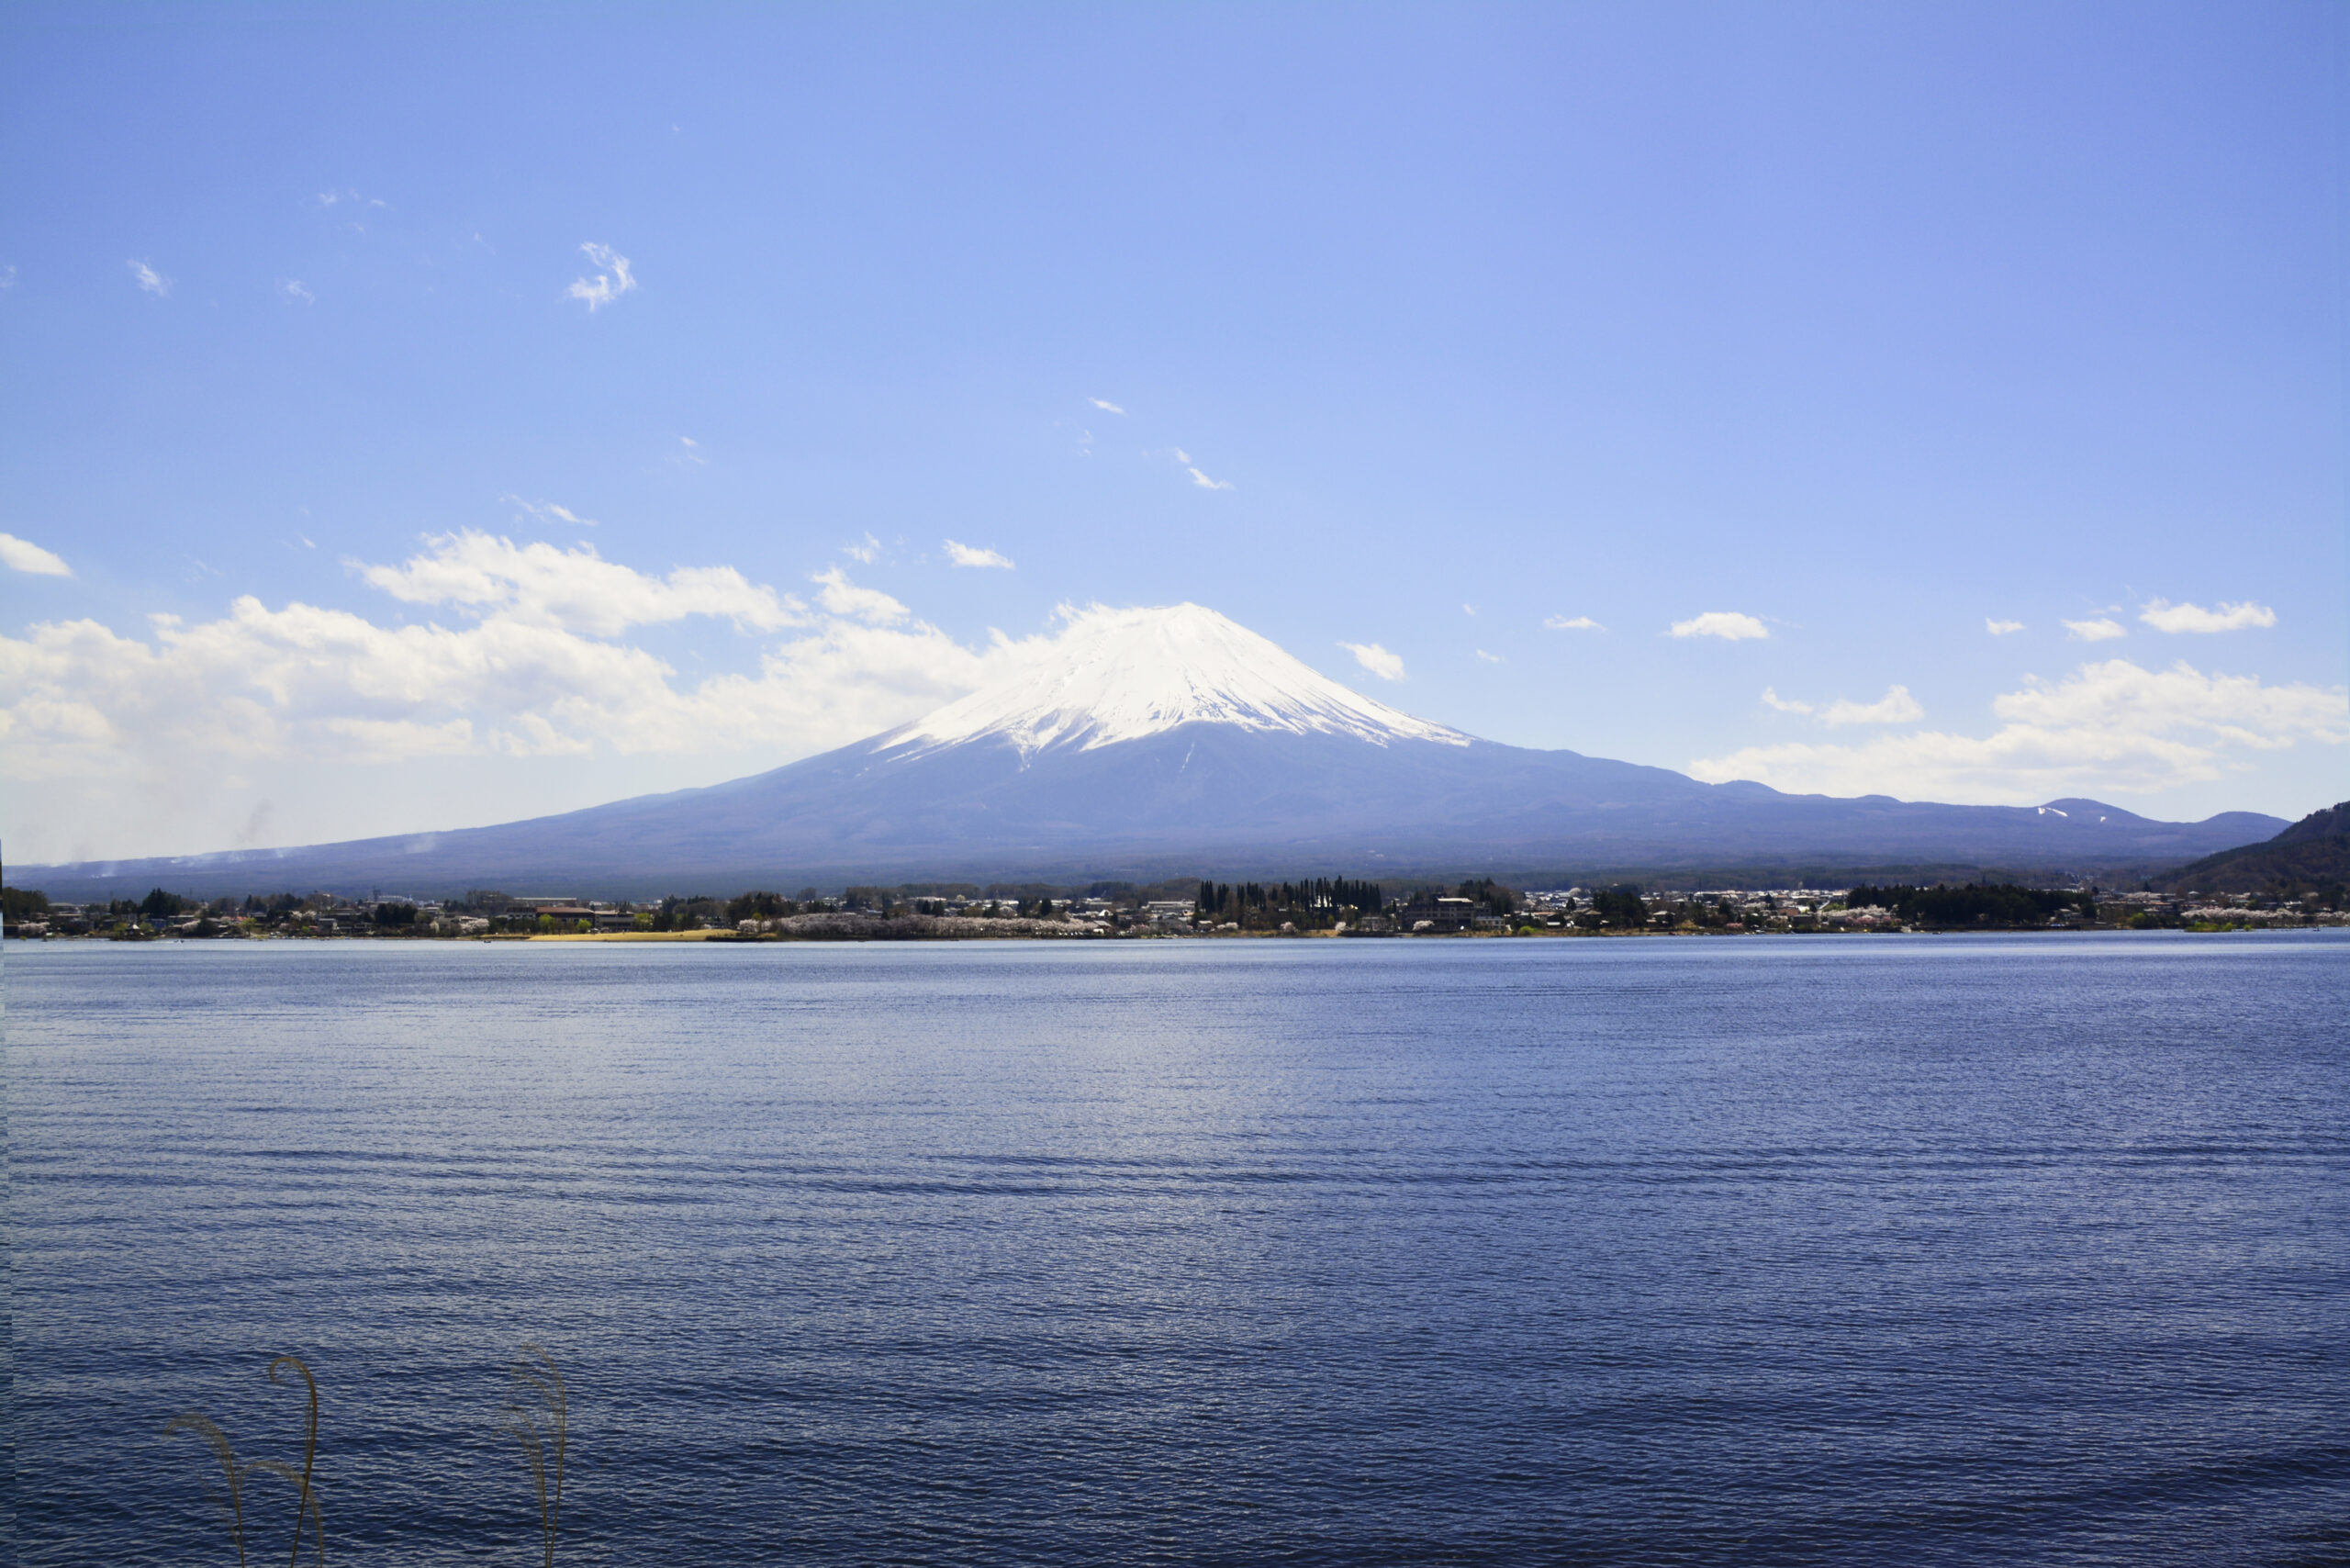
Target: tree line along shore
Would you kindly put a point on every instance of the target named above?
(1326, 906)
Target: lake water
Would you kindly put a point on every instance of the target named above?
(1845, 1250)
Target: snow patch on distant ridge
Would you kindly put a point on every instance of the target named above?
(1120, 675)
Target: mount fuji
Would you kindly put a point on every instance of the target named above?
(1162, 742)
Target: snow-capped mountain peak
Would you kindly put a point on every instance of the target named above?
(1119, 675)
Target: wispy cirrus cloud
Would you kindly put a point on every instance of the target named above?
(1183, 461)
(548, 512)
(24, 555)
(1572, 623)
(2097, 629)
(1727, 624)
(295, 290)
(1376, 659)
(149, 279)
(613, 278)
(972, 556)
(1491, 658)
(2164, 616)
(1107, 408)
(1999, 628)
(2107, 728)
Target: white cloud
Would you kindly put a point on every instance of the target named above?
(609, 284)
(545, 511)
(2111, 728)
(1204, 483)
(24, 555)
(2163, 616)
(1491, 658)
(1575, 623)
(1467, 610)
(842, 597)
(7, 278)
(972, 556)
(691, 456)
(1107, 408)
(536, 668)
(575, 590)
(1376, 659)
(2101, 630)
(1728, 624)
(148, 278)
(294, 288)
(1784, 704)
(864, 553)
(2000, 628)
(1896, 707)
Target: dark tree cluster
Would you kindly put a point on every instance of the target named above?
(1976, 904)
(1615, 909)
(1312, 905)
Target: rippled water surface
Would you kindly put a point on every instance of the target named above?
(1733, 1251)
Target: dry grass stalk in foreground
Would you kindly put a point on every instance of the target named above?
(306, 1504)
(539, 1416)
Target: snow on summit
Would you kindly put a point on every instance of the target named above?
(1119, 675)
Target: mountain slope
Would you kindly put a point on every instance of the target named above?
(1151, 742)
(2314, 851)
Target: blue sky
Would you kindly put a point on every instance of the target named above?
(1432, 332)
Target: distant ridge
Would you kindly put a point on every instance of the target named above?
(1143, 744)
(2314, 851)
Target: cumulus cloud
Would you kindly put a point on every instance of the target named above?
(842, 597)
(294, 288)
(1999, 628)
(1573, 624)
(533, 665)
(575, 590)
(865, 552)
(24, 555)
(2100, 630)
(149, 279)
(1896, 707)
(2110, 728)
(1376, 659)
(1491, 658)
(2163, 616)
(1784, 704)
(610, 282)
(1725, 623)
(972, 556)
(1107, 408)
(1203, 482)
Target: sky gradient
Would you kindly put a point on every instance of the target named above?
(419, 417)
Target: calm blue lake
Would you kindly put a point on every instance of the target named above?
(1845, 1250)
